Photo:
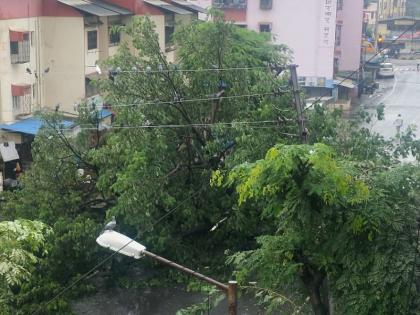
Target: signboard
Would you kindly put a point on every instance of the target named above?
(327, 23)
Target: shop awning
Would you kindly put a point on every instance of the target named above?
(30, 126)
(17, 35)
(96, 7)
(189, 6)
(167, 7)
(345, 83)
(20, 89)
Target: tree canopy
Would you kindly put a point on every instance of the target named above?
(209, 144)
(340, 233)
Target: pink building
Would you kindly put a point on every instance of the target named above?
(348, 35)
(324, 35)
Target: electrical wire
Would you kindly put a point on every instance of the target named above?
(186, 101)
(150, 126)
(251, 124)
(89, 273)
(350, 76)
(149, 71)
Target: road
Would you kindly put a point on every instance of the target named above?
(400, 95)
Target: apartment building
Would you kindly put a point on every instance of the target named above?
(50, 47)
(324, 35)
(348, 35)
(371, 14)
(391, 8)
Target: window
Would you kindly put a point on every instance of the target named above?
(16, 102)
(265, 28)
(22, 104)
(338, 29)
(266, 4)
(32, 39)
(92, 37)
(340, 4)
(169, 29)
(14, 48)
(21, 99)
(114, 36)
(20, 47)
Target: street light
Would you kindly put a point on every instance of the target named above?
(122, 244)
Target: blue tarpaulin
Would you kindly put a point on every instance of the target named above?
(104, 113)
(30, 126)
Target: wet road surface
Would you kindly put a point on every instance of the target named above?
(400, 95)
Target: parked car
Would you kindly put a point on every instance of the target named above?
(386, 70)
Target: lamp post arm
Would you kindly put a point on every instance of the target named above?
(193, 273)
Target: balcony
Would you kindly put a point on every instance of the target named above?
(230, 4)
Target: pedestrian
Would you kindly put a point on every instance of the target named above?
(418, 67)
(398, 123)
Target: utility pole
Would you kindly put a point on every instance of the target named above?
(303, 132)
(229, 289)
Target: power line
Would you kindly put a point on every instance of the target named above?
(87, 274)
(217, 124)
(252, 127)
(358, 70)
(187, 100)
(252, 124)
(149, 70)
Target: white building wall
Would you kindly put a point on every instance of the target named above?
(15, 73)
(62, 52)
(299, 24)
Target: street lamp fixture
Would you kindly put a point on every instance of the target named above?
(120, 243)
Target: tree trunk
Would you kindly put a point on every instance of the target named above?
(313, 280)
(318, 306)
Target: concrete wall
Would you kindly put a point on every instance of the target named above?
(61, 54)
(351, 35)
(62, 51)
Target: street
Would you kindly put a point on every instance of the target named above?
(400, 95)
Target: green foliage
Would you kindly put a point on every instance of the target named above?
(332, 219)
(212, 299)
(22, 246)
(148, 171)
(138, 175)
(331, 227)
(21, 243)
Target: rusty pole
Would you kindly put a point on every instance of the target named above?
(232, 295)
(230, 290)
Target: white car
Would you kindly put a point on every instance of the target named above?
(386, 70)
